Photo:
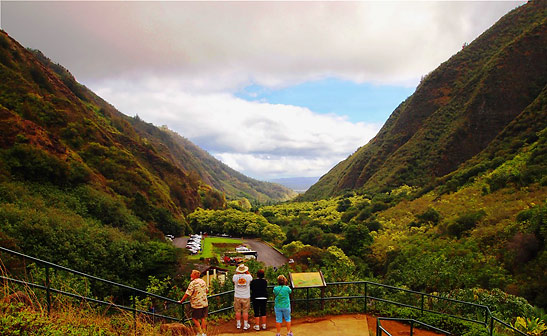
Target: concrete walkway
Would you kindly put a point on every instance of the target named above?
(347, 325)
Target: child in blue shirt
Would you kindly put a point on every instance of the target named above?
(282, 305)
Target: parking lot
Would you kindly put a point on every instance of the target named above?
(266, 254)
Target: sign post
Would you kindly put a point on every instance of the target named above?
(309, 280)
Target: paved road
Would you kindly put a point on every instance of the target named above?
(180, 242)
(266, 254)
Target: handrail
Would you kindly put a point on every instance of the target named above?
(412, 321)
(408, 291)
(507, 326)
(133, 289)
(489, 317)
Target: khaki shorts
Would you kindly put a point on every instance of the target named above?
(242, 305)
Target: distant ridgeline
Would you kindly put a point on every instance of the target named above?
(486, 103)
(78, 178)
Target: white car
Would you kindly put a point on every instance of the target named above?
(242, 249)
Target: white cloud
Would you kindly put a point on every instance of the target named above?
(259, 139)
(216, 46)
(179, 63)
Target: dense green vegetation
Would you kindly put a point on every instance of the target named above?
(235, 223)
(483, 94)
(84, 230)
(85, 186)
(449, 198)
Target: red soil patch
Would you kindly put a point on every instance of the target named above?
(352, 324)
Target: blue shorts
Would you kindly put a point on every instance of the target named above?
(282, 313)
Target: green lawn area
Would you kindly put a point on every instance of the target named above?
(207, 246)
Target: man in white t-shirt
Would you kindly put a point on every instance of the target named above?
(242, 295)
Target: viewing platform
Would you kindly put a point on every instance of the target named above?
(348, 325)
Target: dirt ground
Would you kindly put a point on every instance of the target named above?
(347, 325)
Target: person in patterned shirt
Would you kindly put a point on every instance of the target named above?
(197, 291)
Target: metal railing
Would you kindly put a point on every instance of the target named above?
(373, 295)
(134, 293)
(381, 329)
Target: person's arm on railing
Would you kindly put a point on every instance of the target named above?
(183, 298)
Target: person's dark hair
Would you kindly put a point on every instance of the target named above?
(260, 274)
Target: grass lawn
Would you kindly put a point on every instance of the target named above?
(207, 246)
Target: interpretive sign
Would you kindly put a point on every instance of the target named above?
(307, 280)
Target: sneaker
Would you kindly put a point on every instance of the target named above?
(256, 327)
(238, 324)
(290, 333)
(246, 326)
(264, 327)
(277, 334)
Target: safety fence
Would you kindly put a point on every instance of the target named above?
(356, 296)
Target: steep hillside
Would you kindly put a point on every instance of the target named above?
(457, 111)
(83, 185)
(191, 158)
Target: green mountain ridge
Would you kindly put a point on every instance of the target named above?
(148, 142)
(85, 186)
(457, 111)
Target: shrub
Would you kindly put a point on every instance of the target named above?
(429, 216)
(465, 223)
(31, 163)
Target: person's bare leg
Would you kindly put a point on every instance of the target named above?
(204, 325)
(278, 327)
(288, 326)
(238, 317)
(198, 326)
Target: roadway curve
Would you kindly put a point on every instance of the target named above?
(266, 254)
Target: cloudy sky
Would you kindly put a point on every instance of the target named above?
(273, 89)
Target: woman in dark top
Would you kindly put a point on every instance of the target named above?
(259, 298)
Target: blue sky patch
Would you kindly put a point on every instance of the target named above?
(359, 102)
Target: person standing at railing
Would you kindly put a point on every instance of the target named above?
(197, 291)
(242, 295)
(282, 305)
(259, 298)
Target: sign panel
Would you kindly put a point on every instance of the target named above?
(307, 280)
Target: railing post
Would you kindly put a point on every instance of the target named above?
(366, 297)
(422, 306)
(322, 298)
(48, 292)
(308, 301)
(134, 304)
(411, 327)
(491, 324)
(378, 330)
